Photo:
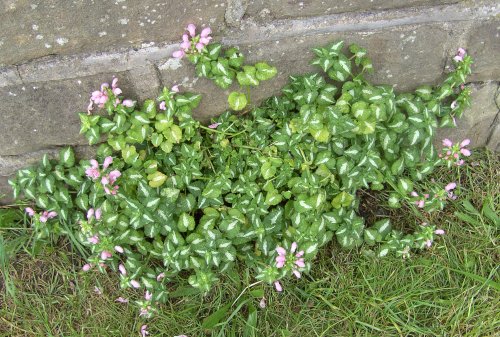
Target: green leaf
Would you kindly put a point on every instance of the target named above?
(267, 170)
(343, 199)
(67, 157)
(186, 222)
(173, 134)
(247, 77)
(149, 108)
(265, 71)
(405, 185)
(237, 101)
(211, 321)
(157, 179)
(273, 198)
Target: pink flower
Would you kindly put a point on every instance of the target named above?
(460, 55)
(105, 255)
(29, 211)
(111, 191)
(93, 171)
(46, 215)
(163, 106)
(300, 262)
(128, 103)
(428, 243)
(280, 261)
(122, 269)
(97, 290)
(144, 332)
(296, 273)
(281, 258)
(148, 296)
(214, 125)
(463, 150)
(94, 239)
(439, 232)
(90, 213)
(185, 45)
(191, 28)
(135, 284)
(86, 267)
(450, 187)
(107, 161)
(119, 249)
(98, 213)
(204, 36)
(178, 54)
(262, 303)
(447, 142)
(114, 87)
(160, 277)
(200, 46)
(464, 143)
(121, 300)
(206, 32)
(278, 287)
(175, 88)
(113, 175)
(414, 194)
(205, 40)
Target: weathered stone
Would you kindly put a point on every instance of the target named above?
(32, 30)
(9, 76)
(39, 116)
(477, 121)
(494, 140)
(484, 46)
(145, 82)
(235, 11)
(10, 164)
(263, 10)
(5, 191)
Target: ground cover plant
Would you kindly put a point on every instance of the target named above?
(169, 199)
(448, 289)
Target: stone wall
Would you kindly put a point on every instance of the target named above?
(53, 53)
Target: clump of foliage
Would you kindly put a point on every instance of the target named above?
(167, 195)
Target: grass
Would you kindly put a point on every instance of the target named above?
(449, 290)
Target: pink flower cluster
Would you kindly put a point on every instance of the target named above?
(428, 242)
(174, 89)
(100, 97)
(107, 180)
(214, 125)
(452, 153)
(295, 261)
(193, 43)
(420, 202)
(91, 213)
(459, 57)
(44, 215)
(425, 199)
